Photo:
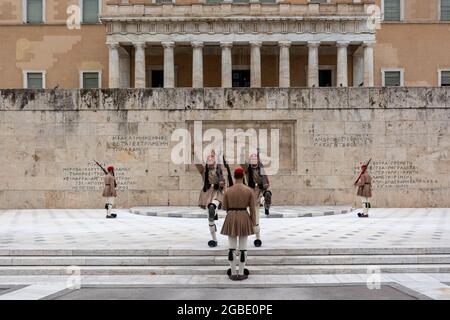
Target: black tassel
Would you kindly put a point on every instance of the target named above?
(230, 254)
(243, 255)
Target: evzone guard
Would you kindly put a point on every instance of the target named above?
(109, 190)
(239, 223)
(211, 195)
(364, 184)
(258, 181)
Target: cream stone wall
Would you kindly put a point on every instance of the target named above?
(49, 139)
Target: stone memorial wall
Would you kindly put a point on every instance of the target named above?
(49, 140)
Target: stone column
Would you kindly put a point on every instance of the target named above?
(255, 64)
(313, 64)
(114, 65)
(368, 64)
(285, 76)
(227, 64)
(139, 65)
(197, 64)
(342, 67)
(169, 67)
(358, 68)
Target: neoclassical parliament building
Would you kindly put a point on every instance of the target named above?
(224, 43)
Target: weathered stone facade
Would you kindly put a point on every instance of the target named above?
(49, 139)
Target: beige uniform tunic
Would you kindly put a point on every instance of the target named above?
(239, 222)
(110, 187)
(211, 194)
(365, 185)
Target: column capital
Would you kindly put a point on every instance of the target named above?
(226, 44)
(168, 44)
(256, 43)
(313, 44)
(369, 44)
(139, 44)
(342, 44)
(197, 44)
(284, 43)
(113, 45)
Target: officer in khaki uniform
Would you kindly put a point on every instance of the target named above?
(109, 192)
(239, 223)
(364, 184)
(211, 195)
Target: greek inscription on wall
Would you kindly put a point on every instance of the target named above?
(397, 174)
(90, 178)
(347, 141)
(138, 144)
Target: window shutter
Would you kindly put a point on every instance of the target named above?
(445, 78)
(392, 10)
(445, 10)
(90, 11)
(392, 78)
(35, 11)
(90, 80)
(34, 80)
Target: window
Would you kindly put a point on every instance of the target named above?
(34, 11)
(90, 11)
(392, 77)
(325, 78)
(157, 78)
(318, 1)
(444, 78)
(445, 10)
(241, 78)
(392, 10)
(90, 79)
(34, 79)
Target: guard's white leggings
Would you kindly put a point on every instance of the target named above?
(211, 223)
(365, 200)
(233, 244)
(110, 203)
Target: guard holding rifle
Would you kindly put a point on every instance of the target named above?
(364, 184)
(211, 195)
(258, 181)
(109, 190)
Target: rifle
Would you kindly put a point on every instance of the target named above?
(106, 172)
(265, 179)
(230, 178)
(359, 177)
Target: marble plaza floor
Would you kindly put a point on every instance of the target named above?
(72, 232)
(88, 229)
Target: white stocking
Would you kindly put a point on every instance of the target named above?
(365, 202)
(232, 244)
(242, 251)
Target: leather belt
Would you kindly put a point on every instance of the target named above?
(237, 209)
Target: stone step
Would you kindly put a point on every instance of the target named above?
(220, 270)
(223, 251)
(221, 260)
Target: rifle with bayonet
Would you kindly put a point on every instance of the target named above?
(230, 178)
(264, 177)
(106, 172)
(361, 173)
